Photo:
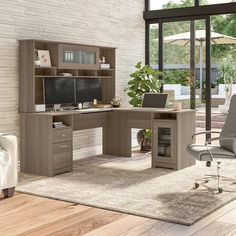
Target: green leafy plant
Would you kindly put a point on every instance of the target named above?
(177, 77)
(227, 70)
(144, 80)
(227, 73)
(148, 134)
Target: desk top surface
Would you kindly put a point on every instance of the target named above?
(121, 109)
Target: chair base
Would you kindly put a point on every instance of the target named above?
(8, 192)
(218, 177)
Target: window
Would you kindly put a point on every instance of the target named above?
(210, 2)
(167, 4)
(153, 45)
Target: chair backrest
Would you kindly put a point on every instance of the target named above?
(155, 100)
(229, 129)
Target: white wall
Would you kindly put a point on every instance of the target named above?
(97, 22)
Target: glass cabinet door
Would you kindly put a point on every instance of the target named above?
(164, 141)
(78, 56)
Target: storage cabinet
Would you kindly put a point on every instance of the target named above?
(164, 143)
(71, 56)
(170, 137)
(46, 150)
(62, 149)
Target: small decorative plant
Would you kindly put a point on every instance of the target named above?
(144, 80)
(116, 101)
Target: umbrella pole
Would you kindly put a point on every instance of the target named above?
(201, 65)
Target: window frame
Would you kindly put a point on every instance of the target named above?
(187, 13)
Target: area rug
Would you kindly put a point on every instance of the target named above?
(131, 186)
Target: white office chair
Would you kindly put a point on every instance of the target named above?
(8, 164)
(226, 150)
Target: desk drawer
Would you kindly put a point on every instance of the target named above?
(62, 155)
(90, 120)
(62, 134)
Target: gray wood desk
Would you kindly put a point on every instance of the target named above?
(48, 151)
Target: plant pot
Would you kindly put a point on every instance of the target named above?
(144, 143)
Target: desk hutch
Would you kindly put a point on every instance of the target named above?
(48, 151)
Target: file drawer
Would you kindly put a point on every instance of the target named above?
(62, 134)
(62, 155)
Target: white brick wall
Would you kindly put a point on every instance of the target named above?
(96, 22)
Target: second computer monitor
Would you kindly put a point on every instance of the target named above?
(88, 89)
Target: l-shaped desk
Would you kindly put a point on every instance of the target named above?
(49, 151)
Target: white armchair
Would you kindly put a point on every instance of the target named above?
(8, 164)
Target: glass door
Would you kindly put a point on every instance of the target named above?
(182, 49)
(176, 62)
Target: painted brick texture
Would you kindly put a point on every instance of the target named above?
(105, 23)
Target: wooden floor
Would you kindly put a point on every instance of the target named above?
(30, 215)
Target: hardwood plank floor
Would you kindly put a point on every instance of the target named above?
(31, 215)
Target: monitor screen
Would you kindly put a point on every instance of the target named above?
(59, 90)
(88, 89)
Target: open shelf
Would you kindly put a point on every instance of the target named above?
(59, 76)
(45, 71)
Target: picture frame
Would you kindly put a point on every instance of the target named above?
(44, 57)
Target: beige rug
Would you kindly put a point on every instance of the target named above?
(130, 185)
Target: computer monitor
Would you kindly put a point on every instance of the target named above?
(59, 90)
(155, 100)
(88, 89)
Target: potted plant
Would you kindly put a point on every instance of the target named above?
(116, 101)
(143, 80)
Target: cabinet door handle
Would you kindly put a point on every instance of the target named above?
(63, 146)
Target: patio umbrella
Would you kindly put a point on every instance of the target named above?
(183, 39)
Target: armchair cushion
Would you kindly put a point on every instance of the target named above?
(185, 90)
(9, 145)
(175, 87)
(222, 92)
(5, 163)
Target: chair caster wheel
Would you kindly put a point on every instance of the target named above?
(196, 185)
(206, 181)
(220, 190)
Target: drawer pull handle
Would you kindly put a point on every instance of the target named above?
(63, 146)
(63, 135)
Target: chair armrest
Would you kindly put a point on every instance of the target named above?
(206, 132)
(218, 138)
